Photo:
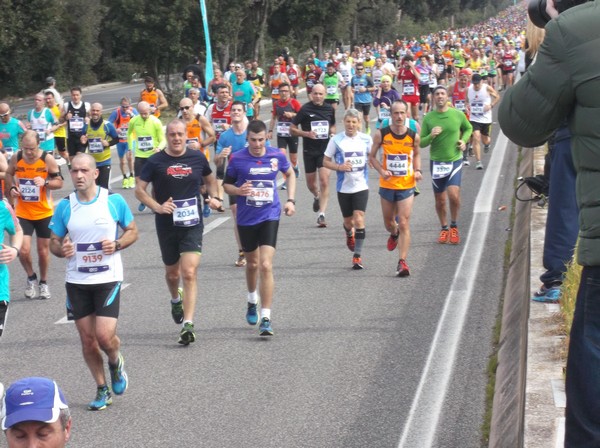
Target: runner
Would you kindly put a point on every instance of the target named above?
(252, 178)
(90, 217)
(8, 252)
(177, 173)
(76, 115)
(60, 133)
(446, 130)
(384, 98)
(31, 174)
(399, 174)
(284, 110)
(154, 97)
(333, 82)
(317, 124)
(482, 98)
(347, 153)
(362, 85)
(10, 131)
(408, 77)
(120, 119)
(42, 120)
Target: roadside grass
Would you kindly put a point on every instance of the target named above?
(567, 303)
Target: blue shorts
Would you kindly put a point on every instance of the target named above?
(391, 195)
(122, 149)
(452, 178)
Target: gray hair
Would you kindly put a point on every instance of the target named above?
(352, 113)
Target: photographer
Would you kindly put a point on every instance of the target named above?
(564, 83)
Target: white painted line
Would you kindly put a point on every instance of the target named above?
(560, 432)
(558, 392)
(214, 224)
(421, 425)
(553, 308)
(64, 320)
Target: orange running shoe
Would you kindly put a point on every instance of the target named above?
(454, 236)
(444, 236)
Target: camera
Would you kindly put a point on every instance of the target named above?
(537, 10)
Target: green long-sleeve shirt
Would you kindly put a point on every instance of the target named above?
(455, 127)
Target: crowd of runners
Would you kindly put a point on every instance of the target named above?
(398, 98)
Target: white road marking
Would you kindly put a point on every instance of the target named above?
(423, 418)
(64, 320)
(214, 224)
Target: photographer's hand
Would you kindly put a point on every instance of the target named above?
(551, 9)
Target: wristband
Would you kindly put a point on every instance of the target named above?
(14, 188)
(293, 201)
(419, 171)
(18, 251)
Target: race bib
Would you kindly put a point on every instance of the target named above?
(321, 128)
(219, 124)
(261, 194)
(331, 90)
(186, 214)
(145, 143)
(41, 132)
(441, 169)
(30, 192)
(408, 88)
(477, 108)
(95, 145)
(357, 159)
(460, 105)
(425, 78)
(384, 113)
(76, 124)
(283, 128)
(90, 258)
(191, 141)
(292, 76)
(310, 83)
(397, 164)
(357, 87)
(122, 132)
(275, 92)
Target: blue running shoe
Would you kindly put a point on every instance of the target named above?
(118, 376)
(177, 308)
(552, 295)
(265, 328)
(206, 211)
(252, 314)
(102, 401)
(296, 171)
(141, 207)
(187, 335)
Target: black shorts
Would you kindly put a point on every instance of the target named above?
(291, 143)
(174, 241)
(423, 92)
(312, 161)
(332, 101)
(102, 299)
(103, 176)
(261, 234)
(41, 227)
(365, 108)
(74, 145)
(349, 202)
(484, 128)
(138, 164)
(61, 143)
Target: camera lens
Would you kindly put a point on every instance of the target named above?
(537, 13)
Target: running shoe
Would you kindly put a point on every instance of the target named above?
(552, 295)
(265, 328)
(102, 401)
(368, 131)
(486, 148)
(125, 183)
(454, 236)
(296, 171)
(177, 308)
(118, 376)
(444, 236)
(321, 221)
(241, 261)
(206, 211)
(470, 150)
(187, 335)
(252, 314)
(479, 166)
(392, 242)
(466, 162)
(357, 263)
(44, 291)
(3, 314)
(316, 205)
(131, 183)
(284, 186)
(402, 269)
(141, 207)
(31, 289)
(350, 241)
(542, 291)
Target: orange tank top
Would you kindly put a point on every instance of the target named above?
(194, 134)
(398, 159)
(151, 97)
(34, 203)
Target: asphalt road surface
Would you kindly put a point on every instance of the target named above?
(359, 358)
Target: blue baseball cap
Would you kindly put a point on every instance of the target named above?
(32, 399)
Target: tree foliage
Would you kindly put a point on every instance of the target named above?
(82, 41)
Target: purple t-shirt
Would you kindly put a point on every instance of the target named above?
(263, 204)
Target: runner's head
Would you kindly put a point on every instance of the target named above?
(317, 95)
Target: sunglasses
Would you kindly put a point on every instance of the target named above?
(184, 108)
(4, 115)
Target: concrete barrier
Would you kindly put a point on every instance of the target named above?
(507, 426)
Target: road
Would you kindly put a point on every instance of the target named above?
(359, 358)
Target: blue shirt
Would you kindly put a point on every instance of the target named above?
(7, 224)
(9, 134)
(362, 81)
(230, 138)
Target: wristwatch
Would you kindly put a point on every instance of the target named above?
(117, 245)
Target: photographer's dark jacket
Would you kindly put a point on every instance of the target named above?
(565, 82)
